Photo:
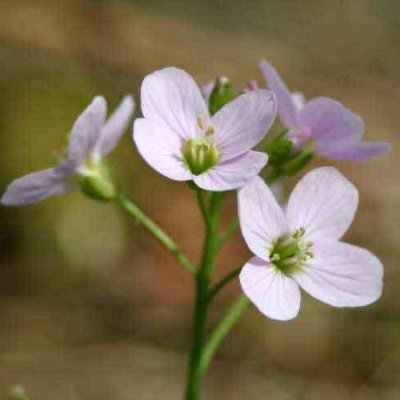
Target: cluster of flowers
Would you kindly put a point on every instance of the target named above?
(187, 137)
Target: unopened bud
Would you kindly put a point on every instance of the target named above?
(252, 85)
(221, 94)
(279, 150)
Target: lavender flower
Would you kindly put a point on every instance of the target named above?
(301, 247)
(179, 138)
(334, 130)
(91, 139)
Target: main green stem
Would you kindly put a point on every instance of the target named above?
(202, 283)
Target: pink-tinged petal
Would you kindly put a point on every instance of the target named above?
(172, 97)
(36, 186)
(114, 127)
(261, 219)
(243, 123)
(207, 89)
(330, 122)
(232, 174)
(86, 130)
(161, 148)
(273, 293)
(323, 203)
(286, 107)
(342, 275)
(252, 85)
(359, 151)
(298, 100)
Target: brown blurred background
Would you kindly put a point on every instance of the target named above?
(90, 306)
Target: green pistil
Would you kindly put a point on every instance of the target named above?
(291, 252)
(200, 155)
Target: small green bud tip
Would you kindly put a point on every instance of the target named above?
(221, 94)
(279, 150)
(200, 155)
(96, 180)
(291, 252)
(18, 393)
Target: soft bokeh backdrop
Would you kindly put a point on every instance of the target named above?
(93, 308)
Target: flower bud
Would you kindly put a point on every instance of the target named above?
(279, 150)
(221, 94)
(298, 162)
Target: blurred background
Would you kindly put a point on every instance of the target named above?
(93, 308)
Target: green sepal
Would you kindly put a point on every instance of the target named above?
(298, 162)
(221, 94)
(99, 184)
(279, 149)
(191, 185)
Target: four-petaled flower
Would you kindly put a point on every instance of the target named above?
(301, 247)
(179, 138)
(334, 130)
(92, 138)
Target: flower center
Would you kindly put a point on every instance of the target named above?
(291, 252)
(200, 154)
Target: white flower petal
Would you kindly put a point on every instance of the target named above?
(342, 275)
(329, 121)
(287, 105)
(299, 101)
(261, 219)
(172, 96)
(115, 126)
(161, 148)
(207, 89)
(244, 122)
(36, 186)
(323, 203)
(232, 174)
(273, 293)
(86, 130)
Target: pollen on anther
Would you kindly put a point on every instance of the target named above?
(210, 130)
(200, 122)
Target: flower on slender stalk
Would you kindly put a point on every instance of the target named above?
(334, 130)
(92, 138)
(301, 247)
(179, 138)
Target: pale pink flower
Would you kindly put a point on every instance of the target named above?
(301, 247)
(333, 129)
(92, 138)
(179, 138)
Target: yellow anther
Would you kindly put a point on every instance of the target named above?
(298, 233)
(200, 122)
(210, 130)
(275, 257)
